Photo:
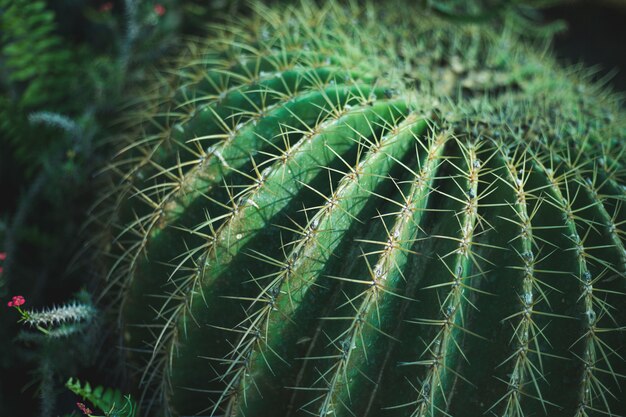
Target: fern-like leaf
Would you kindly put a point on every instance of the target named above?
(109, 400)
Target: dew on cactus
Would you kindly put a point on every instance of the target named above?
(322, 213)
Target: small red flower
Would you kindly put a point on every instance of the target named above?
(159, 9)
(84, 408)
(3, 256)
(105, 7)
(17, 301)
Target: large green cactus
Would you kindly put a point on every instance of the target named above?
(362, 211)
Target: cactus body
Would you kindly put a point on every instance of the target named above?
(302, 230)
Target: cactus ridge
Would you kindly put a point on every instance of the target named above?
(594, 358)
(340, 210)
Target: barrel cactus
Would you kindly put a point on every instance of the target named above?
(370, 211)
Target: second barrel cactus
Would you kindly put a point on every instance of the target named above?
(371, 211)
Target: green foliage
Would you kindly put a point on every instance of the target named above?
(60, 87)
(37, 60)
(350, 211)
(111, 401)
(39, 70)
(57, 342)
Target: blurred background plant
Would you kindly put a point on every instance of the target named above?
(68, 70)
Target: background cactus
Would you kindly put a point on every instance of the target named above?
(359, 211)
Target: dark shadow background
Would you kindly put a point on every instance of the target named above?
(596, 36)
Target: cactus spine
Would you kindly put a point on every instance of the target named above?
(335, 211)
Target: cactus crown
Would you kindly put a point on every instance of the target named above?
(336, 210)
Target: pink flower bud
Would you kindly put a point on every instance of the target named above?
(84, 408)
(159, 9)
(16, 301)
(105, 7)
